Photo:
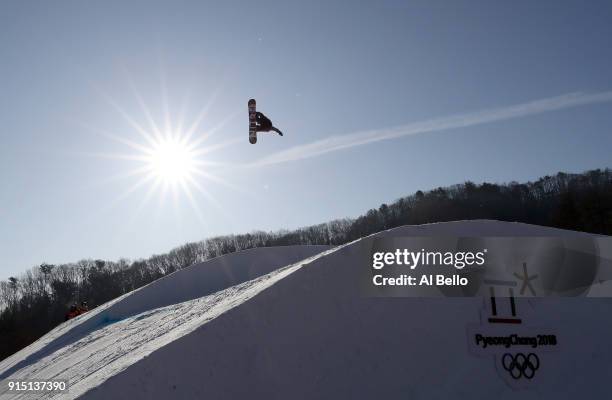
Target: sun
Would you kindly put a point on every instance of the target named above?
(171, 160)
(170, 157)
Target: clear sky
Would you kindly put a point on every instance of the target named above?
(376, 99)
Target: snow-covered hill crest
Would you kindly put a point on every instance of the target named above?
(306, 331)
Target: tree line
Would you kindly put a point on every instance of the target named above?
(36, 301)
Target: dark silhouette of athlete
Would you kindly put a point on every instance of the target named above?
(264, 124)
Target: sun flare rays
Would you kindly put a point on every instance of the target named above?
(170, 159)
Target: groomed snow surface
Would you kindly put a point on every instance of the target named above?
(292, 323)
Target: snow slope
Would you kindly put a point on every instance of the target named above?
(305, 331)
(190, 283)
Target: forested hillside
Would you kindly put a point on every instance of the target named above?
(33, 303)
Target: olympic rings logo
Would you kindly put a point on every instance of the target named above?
(521, 365)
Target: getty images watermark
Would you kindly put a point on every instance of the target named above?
(422, 258)
(466, 266)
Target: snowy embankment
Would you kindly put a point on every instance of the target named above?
(90, 334)
(306, 331)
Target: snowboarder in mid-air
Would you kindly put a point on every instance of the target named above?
(258, 123)
(264, 124)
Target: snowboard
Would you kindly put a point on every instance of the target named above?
(252, 123)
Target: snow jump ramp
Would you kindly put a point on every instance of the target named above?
(305, 331)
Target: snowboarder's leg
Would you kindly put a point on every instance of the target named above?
(276, 130)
